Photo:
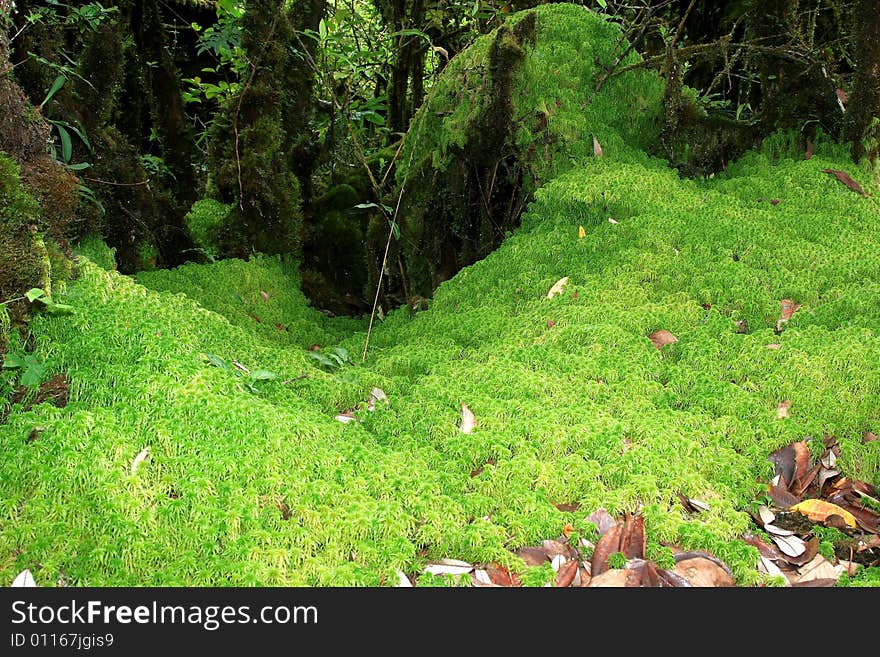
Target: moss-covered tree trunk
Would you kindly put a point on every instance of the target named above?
(260, 142)
(863, 122)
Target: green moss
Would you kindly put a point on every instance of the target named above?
(511, 112)
(261, 485)
(96, 250)
(23, 257)
(204, 222)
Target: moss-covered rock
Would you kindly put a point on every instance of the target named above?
(23, 257)
(514, 110)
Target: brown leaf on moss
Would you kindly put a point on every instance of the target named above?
(566, 574)
(597, 148)
(608, 544)
(500, 576)
(702, 572)
(781, 497)
(810, 149)
(765, 549)
(812, 549)
(847, 180)
(661, 338)
(869, 437)
(610, 578)
(787, 309)
(782, 411)
(567, 506)
(603, 520)
(533, 556)
(633, 540)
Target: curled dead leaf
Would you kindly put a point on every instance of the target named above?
(788, 309)
(142, 456)
(847, 180)
(557, 287)
(661, 338)
(468, 420)
(609, 578)
(782, 411)
(608, 544)
(566, 574)
(24, 580)
(703, 572)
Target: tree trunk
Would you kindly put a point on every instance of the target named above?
(863, 109)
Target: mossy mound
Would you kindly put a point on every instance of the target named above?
(256, 482)
(514, 110)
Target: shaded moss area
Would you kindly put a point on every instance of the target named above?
(512, 111)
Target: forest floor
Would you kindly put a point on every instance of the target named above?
(617, 387)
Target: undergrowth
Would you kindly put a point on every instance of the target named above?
(262, 485)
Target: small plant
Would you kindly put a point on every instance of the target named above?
(333, 359)
(38, 294)
(248, 376)
(29, 368)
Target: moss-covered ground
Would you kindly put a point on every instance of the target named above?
(251, 480)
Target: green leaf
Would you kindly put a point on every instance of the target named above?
(53, 307)
(395, 230)
(217, 361)
(322, 29)
(35, 293)
(79, 167)
(342, 352)
(56, 85)
(602, 4)
(12, 361)
(33, 375)
(66, 144)
(263, 375)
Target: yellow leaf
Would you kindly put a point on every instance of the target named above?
(820, 510)
(557, 287)
(581, 232)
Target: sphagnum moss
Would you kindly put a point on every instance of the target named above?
(574, 404)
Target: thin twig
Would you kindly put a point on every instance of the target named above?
(116, 184)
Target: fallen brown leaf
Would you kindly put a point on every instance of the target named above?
(788, 309)
(566, 574)
(869, 437)
(610, 578)
(810, 149)
(500, 576)
(603, 520)
(847, 180)
(812, 549)
(781, 497)
(597, 148)
(661, 338)
(608, 544)
(533, 556)
(633, 540)
(818, 570)
(702, 572)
